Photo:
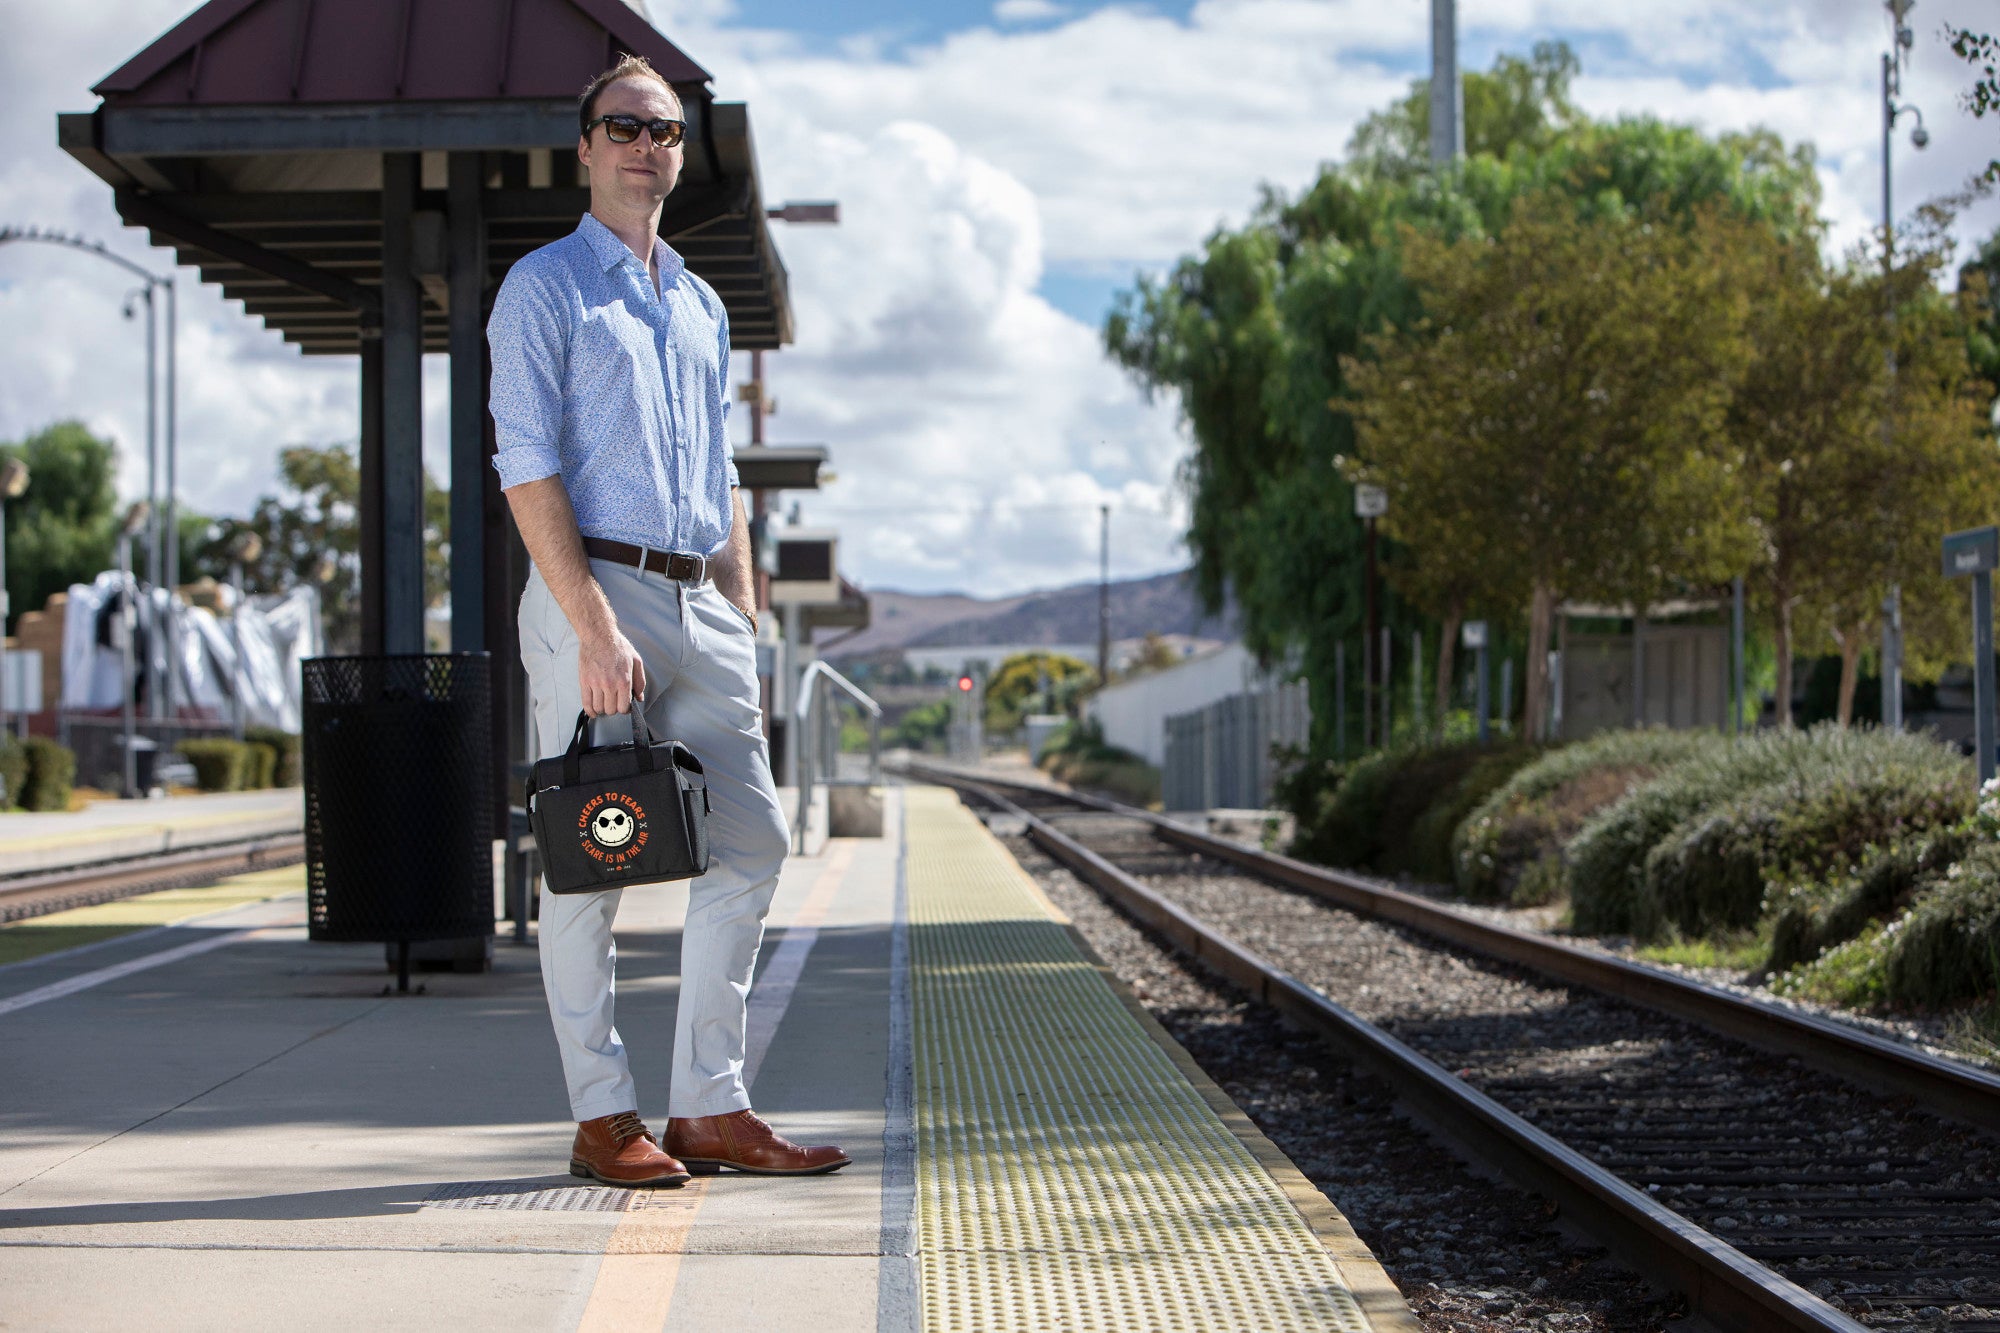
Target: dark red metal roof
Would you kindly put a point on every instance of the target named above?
(249, 52)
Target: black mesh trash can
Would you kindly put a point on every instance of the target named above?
(398, 759)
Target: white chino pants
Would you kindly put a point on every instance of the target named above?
(701, 690)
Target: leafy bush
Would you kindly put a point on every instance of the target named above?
(260, 765)
(1375, 819)
(1804, 781)
(1853, 973)
(286, 773)
(13, 771)
(1816, 917)
(1713, 873)
(1947, 948)
(219, 764)
(1510, 846)
(923, 725)
(1080, 756)
(51, 775)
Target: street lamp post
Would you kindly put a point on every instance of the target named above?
(244, 548)
(155, 282)
(13, 483)
(135, 522)
(1893, 60)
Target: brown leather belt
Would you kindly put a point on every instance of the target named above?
(679, 566)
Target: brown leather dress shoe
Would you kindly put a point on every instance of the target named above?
(740, 1140)
(620, 1150)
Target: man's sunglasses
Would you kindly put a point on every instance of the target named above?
(624, 129)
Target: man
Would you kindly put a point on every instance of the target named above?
(610, 383)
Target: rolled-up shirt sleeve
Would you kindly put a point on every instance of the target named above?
(728, 393)
(530, 352)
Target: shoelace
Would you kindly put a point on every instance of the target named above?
(627, 1125)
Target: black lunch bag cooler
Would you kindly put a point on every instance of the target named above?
(609, 816)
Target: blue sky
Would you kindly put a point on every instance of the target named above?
(1004, 168)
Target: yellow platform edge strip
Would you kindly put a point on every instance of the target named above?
(1076, 1169)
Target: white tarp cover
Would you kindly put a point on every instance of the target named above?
(276, 633)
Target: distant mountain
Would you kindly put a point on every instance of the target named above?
(1162, 604)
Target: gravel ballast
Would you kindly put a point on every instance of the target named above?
(1469, 1254)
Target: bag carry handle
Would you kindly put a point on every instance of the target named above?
(642, 742)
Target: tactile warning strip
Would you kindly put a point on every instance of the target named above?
(1068, 1176)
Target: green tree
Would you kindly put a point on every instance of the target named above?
(60, 532)
(1018, 686)
(1554, 420)
(1253, 336)
(312, 534)
(1847, 489)
(1982, 52)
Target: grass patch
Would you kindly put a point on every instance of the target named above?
(1742, 952)
(1854, 975)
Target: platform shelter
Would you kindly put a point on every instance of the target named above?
(361, 175)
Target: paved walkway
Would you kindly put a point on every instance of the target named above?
(220, 1124)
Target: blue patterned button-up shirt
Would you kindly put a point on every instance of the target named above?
(621, 392)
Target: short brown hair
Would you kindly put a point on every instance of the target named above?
(629, 66)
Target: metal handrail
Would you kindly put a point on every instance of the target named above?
(805, 732)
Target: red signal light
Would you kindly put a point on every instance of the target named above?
(965, 684)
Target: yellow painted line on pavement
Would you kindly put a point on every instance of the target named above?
(40, 935)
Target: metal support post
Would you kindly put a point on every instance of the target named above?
(1103, 594)
(172, 517)
(1483, 698)
(1638, 667)
(1416, 682)
(1447, 91)
(401, 493)
(1340, 700)
(370, 555)
(1736, 651)
(1982, 672)
(1388, 697)
(237, 708)
(1368, 673)
(465, 274)
(128, 622)
(1892, 659)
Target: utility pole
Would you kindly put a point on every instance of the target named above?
(1103, 594)
(1901, 40)
(1447, 92)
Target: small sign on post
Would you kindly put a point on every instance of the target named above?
(1370, 501)
(1977, 552)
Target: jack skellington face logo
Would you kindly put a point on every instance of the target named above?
(612, 827)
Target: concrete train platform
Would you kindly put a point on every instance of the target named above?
(115, 830)
(215, 1123)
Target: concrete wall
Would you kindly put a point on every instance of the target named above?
(1134, 712)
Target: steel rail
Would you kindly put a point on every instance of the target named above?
(106, 881)
(1722, 1284)
(1943, 1087)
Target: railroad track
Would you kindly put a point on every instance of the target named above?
(24, 896)
(1772, 1194)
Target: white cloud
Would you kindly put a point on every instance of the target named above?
(1028, 11)
(974, 427)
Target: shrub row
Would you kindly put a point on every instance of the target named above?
(38, 774)
(1823, 835)
(1395, 812)
(264, 758)
(1510, 847)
